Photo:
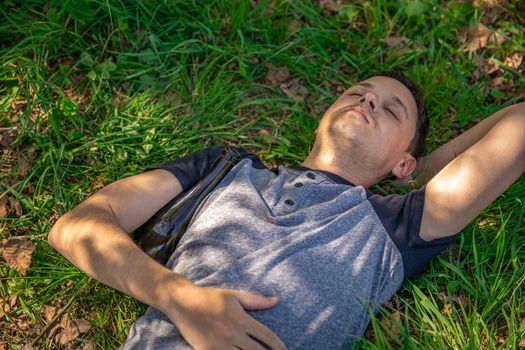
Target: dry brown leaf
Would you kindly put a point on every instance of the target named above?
(277, 75)
(446, 309)
(294, 26)
(397, 41)
(22, 323)
(331, 5)
(514, 60)
(443, 297)
(499, 339)
(294, 90)
(49, 312)
(19, 106)
(23, 167)
(15, 204)
(30, 188)
(17, 252)
(4, 210)
(483, 37)
(522, 342)
(266, 136)
(7, 305)
(233, 66)
(13, 299)
(498, 81)
(71, 330)
(391, 323)
(88, 346)
(7, 139)
(484, 67)
(3, 345)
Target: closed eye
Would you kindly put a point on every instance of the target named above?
(391, 113)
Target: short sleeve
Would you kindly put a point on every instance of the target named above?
(192, 167)
(401, 217)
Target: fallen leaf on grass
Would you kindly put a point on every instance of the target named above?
(17, 252)
(22, 323)
(71, 329)
(3, 207)
(398, 44)
(484, 67)
(277, 75)
(293, 27)
(514, 60)
(88, 346)
(3, 345)
(522, 342)
(294, 90)
(397, 41)
(23, 167)
(7, 139)
(125, 85)
(266, 136)
(15, 204)
(483, 37)
(331, 5)
(49, 312)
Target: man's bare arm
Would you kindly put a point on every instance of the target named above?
(93, 236)
(471, 171)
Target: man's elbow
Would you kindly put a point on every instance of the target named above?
(58, 233)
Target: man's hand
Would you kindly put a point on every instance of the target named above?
(211, 318)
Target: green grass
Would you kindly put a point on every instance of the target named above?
(93, 91)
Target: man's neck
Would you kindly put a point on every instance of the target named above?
(350, 172)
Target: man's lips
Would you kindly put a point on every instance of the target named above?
(360, 112)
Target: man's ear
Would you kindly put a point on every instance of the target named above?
(405, 167)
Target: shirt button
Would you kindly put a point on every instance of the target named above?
(310, 175)
(298, 184)
(289, 202)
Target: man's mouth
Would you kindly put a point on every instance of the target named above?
(361, 112)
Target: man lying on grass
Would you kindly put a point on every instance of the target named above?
(297, 257)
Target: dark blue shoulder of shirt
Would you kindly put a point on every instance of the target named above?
(401, 216)
(194, 166)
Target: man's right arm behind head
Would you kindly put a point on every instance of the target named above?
(472, 171)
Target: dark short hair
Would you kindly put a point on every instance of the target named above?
(418, 144)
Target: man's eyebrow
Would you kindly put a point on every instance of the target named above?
(398, 100)
(365, 84)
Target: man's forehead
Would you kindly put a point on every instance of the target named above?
(382, 81)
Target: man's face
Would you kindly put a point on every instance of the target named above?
(373, 123)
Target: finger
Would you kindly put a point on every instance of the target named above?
(247, 343)
(265, 335)
(255, 302)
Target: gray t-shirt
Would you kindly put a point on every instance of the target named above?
(332, 252)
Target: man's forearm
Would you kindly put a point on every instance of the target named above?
(90, 238)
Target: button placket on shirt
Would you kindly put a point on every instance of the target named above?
(292, 195)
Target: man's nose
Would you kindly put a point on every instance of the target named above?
(369, 100)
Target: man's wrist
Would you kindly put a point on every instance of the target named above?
(171, 291)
